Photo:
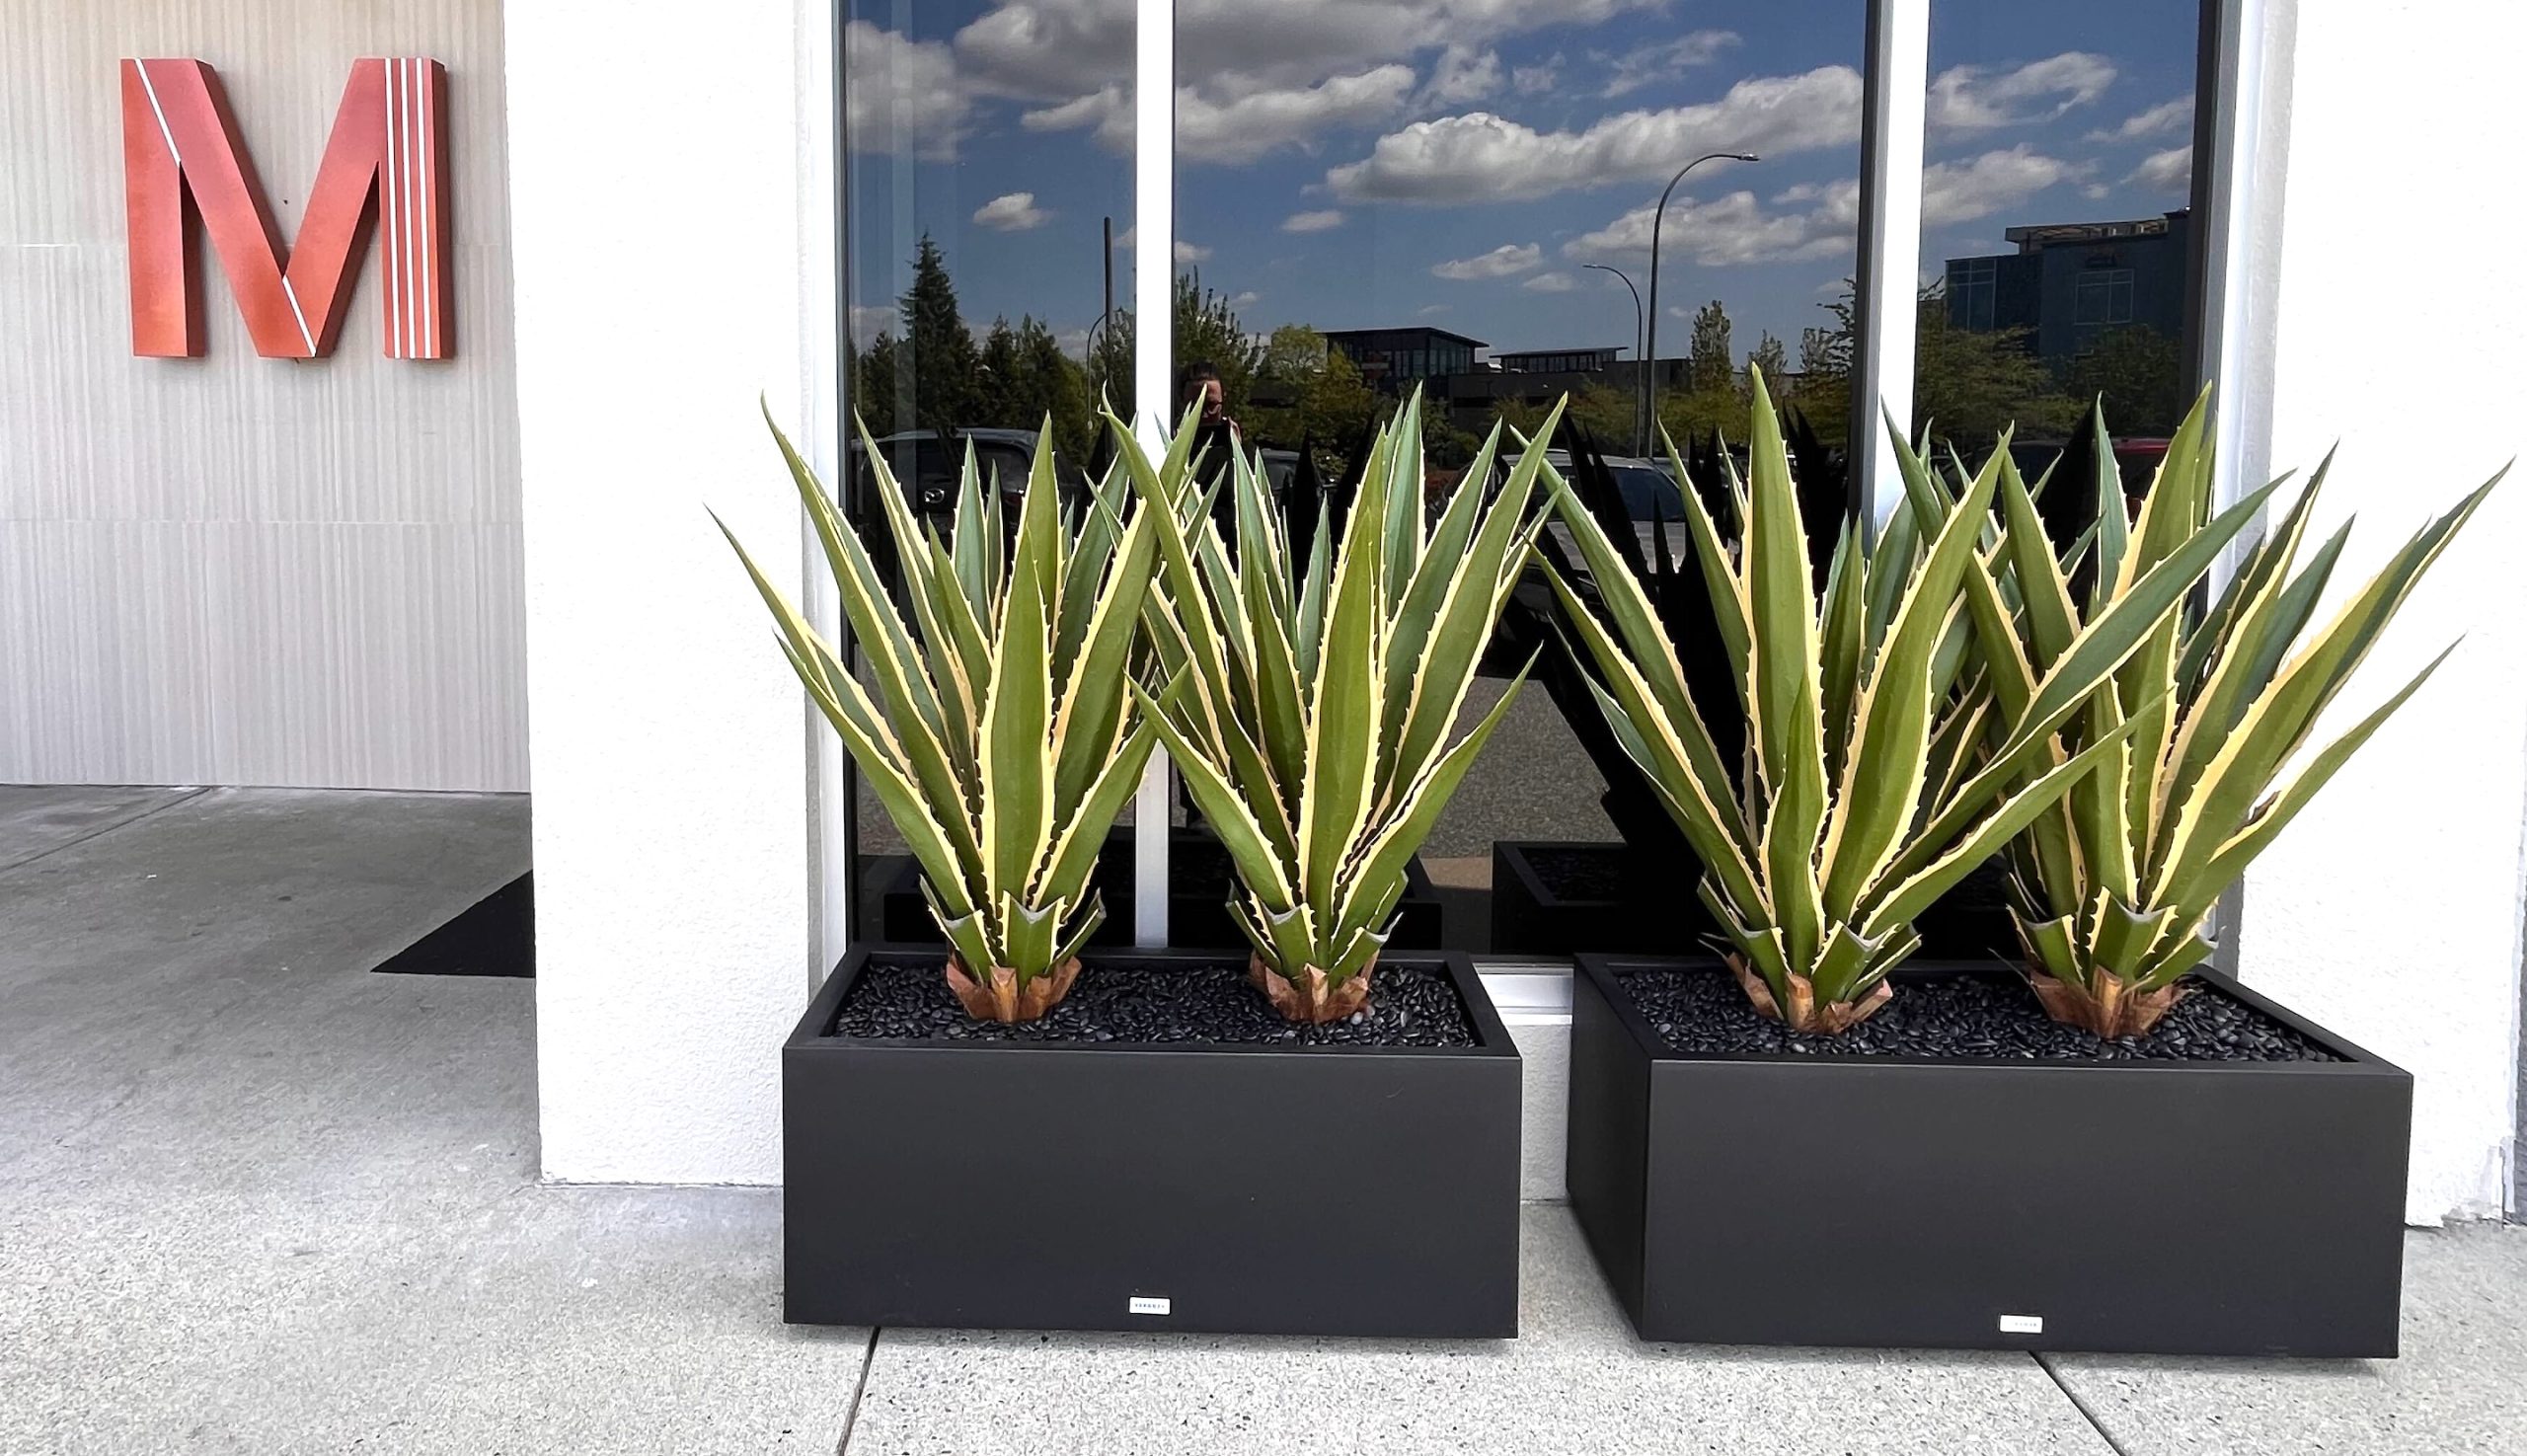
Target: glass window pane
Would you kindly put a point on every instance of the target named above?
(2056, 236)
(987, 270)
(1462, 197)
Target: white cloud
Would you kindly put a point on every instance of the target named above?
(2171, 171)
(1432, 310)
(1962, 192)
(1648, 65)
(904, 95)
(2159, 121)
(1982, 98)
(1011, 213)
(1479, 156)
(1553, 282)
(1245, 299)
(1107, 111)
(1312, 222)
(1500, 262)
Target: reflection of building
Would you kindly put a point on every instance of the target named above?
(1391, 358)
(2068, 283)
(1558, 360)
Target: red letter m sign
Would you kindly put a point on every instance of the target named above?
(180, 140)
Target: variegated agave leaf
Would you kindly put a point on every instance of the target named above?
(2117, 882)
(1877, 772)
(1000, 735)
(1311, 703)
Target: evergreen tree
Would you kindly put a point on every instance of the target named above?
(944, 358)
(1711, 362)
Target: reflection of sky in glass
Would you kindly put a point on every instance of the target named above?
(1455, 161)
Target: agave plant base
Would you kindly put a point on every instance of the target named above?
(1197, 912)
(998, 997)
(1313, 998)
(1561, 897)
(2168, 1207)
(1013, 1183)
(2113, 1009)
(1805, 1012)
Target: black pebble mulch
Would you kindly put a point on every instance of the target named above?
(1703, 1010)
(909, 1000)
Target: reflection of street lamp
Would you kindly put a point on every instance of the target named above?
(1650, 392)
(1639, 446)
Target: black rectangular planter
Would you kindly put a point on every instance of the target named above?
(1220, 1188)
(1196, 910)
(2246, 1208)
(1645, 905)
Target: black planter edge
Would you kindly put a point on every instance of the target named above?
(1601, 967)
(1492, 1034)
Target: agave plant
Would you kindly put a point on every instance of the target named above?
(1877, 772)
(1309, 704)
(2115, 881)
(1001, 739)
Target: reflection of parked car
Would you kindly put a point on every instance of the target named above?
(930, 465)
(1650, 495)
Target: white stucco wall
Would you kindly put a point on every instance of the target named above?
(660, 225)
(2391, 911)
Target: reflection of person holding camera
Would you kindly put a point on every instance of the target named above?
(1216, 436)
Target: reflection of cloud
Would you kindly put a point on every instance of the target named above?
(1553, 282)
(1545, 75)
(1651, 63)
(2167, 116)
(1185, 252)
(2171, 171)
(1072, 341)
(1247, 299)
(1057, 53)
(1961, 192)
(1981, 98)
(1433, 310)
(869, 320)
(905, 98)
(1011, 213)
(1732, 230)
(1312, 222)
(1481, 157)
(1500, 263)
(1463, 76)
(1237, 128)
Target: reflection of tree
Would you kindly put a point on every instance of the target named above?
(1308, 391)
(929, 374)
(1207, 330)
(2139, 373)
(1710, 364)
(1970, 384)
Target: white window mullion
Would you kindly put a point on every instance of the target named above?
(1888, 283)
(1153, 382)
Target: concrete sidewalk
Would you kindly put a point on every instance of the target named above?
(255, 1199)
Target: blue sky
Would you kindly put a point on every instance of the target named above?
(1365, 163)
